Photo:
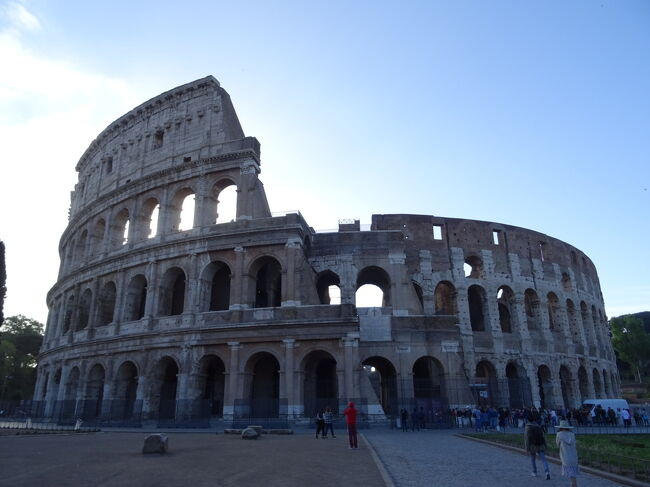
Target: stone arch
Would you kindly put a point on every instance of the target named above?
(215, 287)
(136, 298)
(97, 237)
(69, 408)
(375, 276)
(94, 396)
(486, 382)
(519, 394)
(545, 384)
(181, 202)
(566, 282)
(607, 384)
(68, 314)
(120, 228)
(473, 267)
(531, 305)
(149, 221)
(125, 391)
(320, 382)
(106, 303)
(477, 302)
(324, 282)
(172, 292)
(262, 385)
(505, 304)
(445, 298)
(583, 384)
(224, 194)
(83, 317)
(566, 385)
(585, 322)
(164, 388)
(267, 274)
(80, 253)
(553, 305)
(598, 385)
(211, 384)
(594, 319)
(383, 379)
(573, 320)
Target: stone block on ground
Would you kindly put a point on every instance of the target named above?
(232, 431)
(156, 443)
(280, 431)
(257, 428)
(250, 434)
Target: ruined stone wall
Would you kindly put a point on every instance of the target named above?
(218, 311)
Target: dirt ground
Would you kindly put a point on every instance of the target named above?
(194, 459)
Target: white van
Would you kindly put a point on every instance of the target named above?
(616, 404)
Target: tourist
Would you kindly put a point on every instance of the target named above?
(320, 424)
(404, 416)
(328, 418)
(627, 417)
(566, 441)
(351, 420)
(535, 444)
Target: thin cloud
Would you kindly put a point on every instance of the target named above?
(20, 18)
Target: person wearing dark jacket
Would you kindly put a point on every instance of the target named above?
(535, 444)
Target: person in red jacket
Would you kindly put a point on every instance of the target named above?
(351, 420)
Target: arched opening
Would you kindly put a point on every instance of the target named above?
(419, 295)
(94, 393)
(69, 406)
(594, 319)
(320, 383)
(531, 305)
(429, 386)
(477, 302)
(566, 384)
(505, 301)
(545, 384)
(172, 292)
(84, 309)
(215, 287)
(126, 387)
(518, 387)
(473, 267)
(182, 210)
(136, 298)
(573, 320)
(150, 214)
(383, 379)
(227, 204)
(212, 385)
(326, 282)
(606, 384)
(553, 312)
(97, 237)
(80, 253)
(445, 299)
(584, 315)
(486, 391)
(268, 282)
(566, 282)
(120, 228)
(264, 385)
(107, 304)
(598, 386)
(583, 384)
(167, 383)
(67, 317)
(369, 296)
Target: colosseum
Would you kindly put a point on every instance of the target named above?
(172, 306)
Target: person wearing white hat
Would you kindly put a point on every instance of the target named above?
(566, 441)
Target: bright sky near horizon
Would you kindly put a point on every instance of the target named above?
(534, 114)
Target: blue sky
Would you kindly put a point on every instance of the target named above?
(534, 114)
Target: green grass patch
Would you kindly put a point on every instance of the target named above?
(622, 454)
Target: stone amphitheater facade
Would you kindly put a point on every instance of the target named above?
(234, 319)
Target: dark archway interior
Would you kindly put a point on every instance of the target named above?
(325, 280)
(220, 290)
(268, 284)
(320, 383)
(265, 388)
(213, 386)
(384, 381)
(475, 298)
(167, 409)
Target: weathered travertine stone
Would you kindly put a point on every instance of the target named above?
(156, 443)
(250, 434)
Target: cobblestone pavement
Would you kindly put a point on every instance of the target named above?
(442, 459)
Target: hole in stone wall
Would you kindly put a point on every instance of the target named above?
(437, 232)
(495, 237)
(187, 213)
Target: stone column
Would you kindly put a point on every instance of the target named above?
(118, 312)
(231, 392)
(192, 288)
(351, 351)
(247, 186)
(290, 295)
(107, 393)
(50, 398)
(428, 298)
(93, 311)
(238, 298)
(292, 401)
(151, 305)
(531, 371)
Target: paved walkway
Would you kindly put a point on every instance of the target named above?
(439, 458)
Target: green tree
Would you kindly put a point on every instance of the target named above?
(632, 342)
(3, 280)
(20, 342)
